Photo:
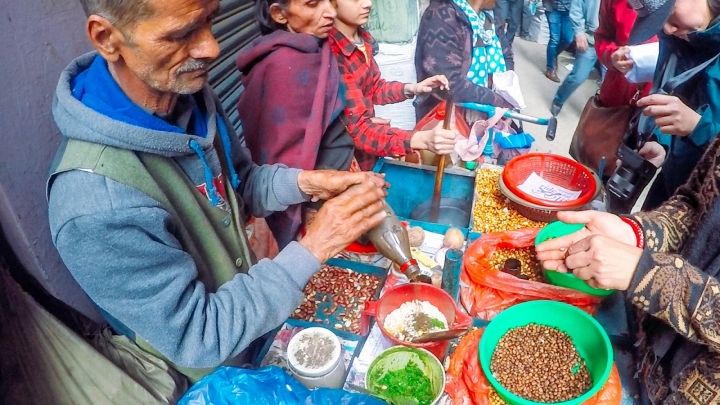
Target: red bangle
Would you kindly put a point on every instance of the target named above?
(639, 237)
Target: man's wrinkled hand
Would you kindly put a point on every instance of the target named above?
(342, 219)
(325, 184)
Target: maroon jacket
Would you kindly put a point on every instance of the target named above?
(289, 111)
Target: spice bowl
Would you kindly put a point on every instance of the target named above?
(407, 373)
(315, 358)
(398, 295)
(588, 337)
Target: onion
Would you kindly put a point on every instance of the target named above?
(416, 236)
(454, 239)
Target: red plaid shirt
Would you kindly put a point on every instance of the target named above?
(364, 89)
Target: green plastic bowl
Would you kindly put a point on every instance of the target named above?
(567, 280)
(396, 358)
(590, 339)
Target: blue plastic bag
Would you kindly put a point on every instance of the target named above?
(266, 386)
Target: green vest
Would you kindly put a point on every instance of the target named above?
(213, 237)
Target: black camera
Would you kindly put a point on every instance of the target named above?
(635, 172)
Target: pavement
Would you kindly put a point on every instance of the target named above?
(539, 92)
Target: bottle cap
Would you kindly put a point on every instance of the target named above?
(471, 165)
(440, 114)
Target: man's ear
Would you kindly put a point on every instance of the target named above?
(277, 14)
(105, 37)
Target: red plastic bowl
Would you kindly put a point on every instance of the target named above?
(398, 295)
(556, 169)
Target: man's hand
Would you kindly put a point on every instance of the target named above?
(553, 252)
(325, 184)
(671, 115)
(341, 220)
(603, 262)
(426, 86)
(581, 42)
(437, 140)
(620, 60)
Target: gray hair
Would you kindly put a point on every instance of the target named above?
(121, 13)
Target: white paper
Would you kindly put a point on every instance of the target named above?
(644, 59)
(540, 188)
(507, 84)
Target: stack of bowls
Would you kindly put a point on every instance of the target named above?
(556, 169)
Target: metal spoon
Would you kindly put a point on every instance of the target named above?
(440, 335)
(390, 400)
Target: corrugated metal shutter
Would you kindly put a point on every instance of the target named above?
(234, 29)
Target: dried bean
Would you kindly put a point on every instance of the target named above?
(346, 291)
(536, 362)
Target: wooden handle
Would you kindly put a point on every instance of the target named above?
(435, 207)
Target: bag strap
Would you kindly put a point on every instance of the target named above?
(670, 84)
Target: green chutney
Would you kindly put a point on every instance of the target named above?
(409, 382)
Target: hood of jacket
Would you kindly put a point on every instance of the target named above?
(77, 120)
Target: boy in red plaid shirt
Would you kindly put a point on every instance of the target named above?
(374, 136)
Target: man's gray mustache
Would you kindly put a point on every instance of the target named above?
(193, 65)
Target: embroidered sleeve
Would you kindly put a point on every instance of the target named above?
(680, 295)
(668, 227)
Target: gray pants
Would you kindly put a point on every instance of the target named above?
(512, 12)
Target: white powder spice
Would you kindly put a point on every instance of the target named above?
(414, 319)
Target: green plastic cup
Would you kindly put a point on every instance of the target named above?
(567, 280)
(589, 338)
(396, 358)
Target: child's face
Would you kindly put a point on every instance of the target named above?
(353, 12)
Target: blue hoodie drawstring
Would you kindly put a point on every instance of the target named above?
(212, 193)
(225, 138)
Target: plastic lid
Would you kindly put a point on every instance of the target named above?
(440, 114)
(471, 165)
(297, 343)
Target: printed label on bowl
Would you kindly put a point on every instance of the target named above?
(540, 188)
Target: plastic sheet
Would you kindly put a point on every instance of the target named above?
(265, 386)
(490, 291)
(466, 384)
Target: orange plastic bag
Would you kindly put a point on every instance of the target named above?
(491, 291)
(466, 384)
